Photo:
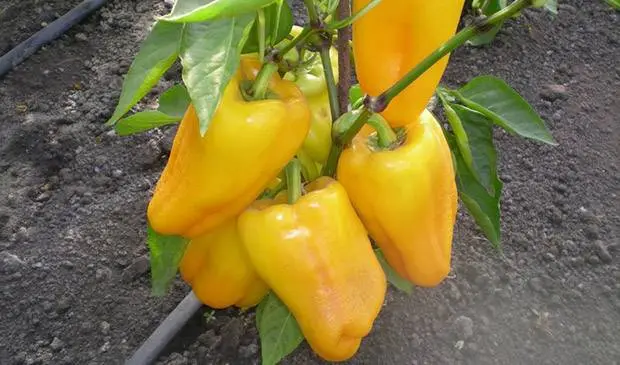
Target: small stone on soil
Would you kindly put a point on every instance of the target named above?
(81, 37)
(149, 153)
(464, 326)
(602, 252)
(10, 263)
(56, 344)
(105, 327)
(139, 267)
(553, 92)
(103, 274)
(594, 260)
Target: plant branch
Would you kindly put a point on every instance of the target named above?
(261, 35)
(301, 37)
(312, 13)
(330, 80)
(293, 180)
(344, 57)
(348, 19)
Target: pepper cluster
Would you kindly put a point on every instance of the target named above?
(395, 184)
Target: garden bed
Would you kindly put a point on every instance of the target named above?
(73, 260)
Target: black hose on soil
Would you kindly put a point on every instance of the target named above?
(54, 30)
(151, 348)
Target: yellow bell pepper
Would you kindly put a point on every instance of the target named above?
(317, 258)
(213, 178)
(393, 38)
(406, 197)
(219, 271)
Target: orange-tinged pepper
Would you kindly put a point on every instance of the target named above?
(213, 178)
(317, 258)
(407, 198)
(393, 38)
(219, 271)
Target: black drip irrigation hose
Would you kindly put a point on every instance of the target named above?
(152, 347)
(54, 30)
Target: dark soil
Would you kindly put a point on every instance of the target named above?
(74, 265)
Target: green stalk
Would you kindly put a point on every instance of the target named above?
(342, 140)
(385, 133)
(343, 23)
(332, 89)
(381, 102)
(271, 193)
(261, 35)
(261, 84)
(301, 37)
(293, 180)
(312, 13)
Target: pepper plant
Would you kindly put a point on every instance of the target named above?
(290, 189)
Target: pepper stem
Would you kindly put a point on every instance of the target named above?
(261, 84)
(332, 89)
(300, 38)
(293, 180)
(385, 133)
(312, 13)
(261, 34)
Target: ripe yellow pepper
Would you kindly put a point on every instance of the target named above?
(213, 178)
(317, 258)
(393, 38)
(407, 198)
(219, 271)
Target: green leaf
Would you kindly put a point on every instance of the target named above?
(166, 253)
(277, 328)
(488, 8)
(479, 141)
(483, 206)
(278, 25)
(174, 101)
(496, 100)
(210, 57)
(487, 37)
(143, 121)
(613, 3)
(193, 11)
(392, 276)
(355, 94)
(157, 53)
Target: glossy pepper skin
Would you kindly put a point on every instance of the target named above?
(317, 258)
(219, 271)
(393, 38)
(407, 198)
(213, 178)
